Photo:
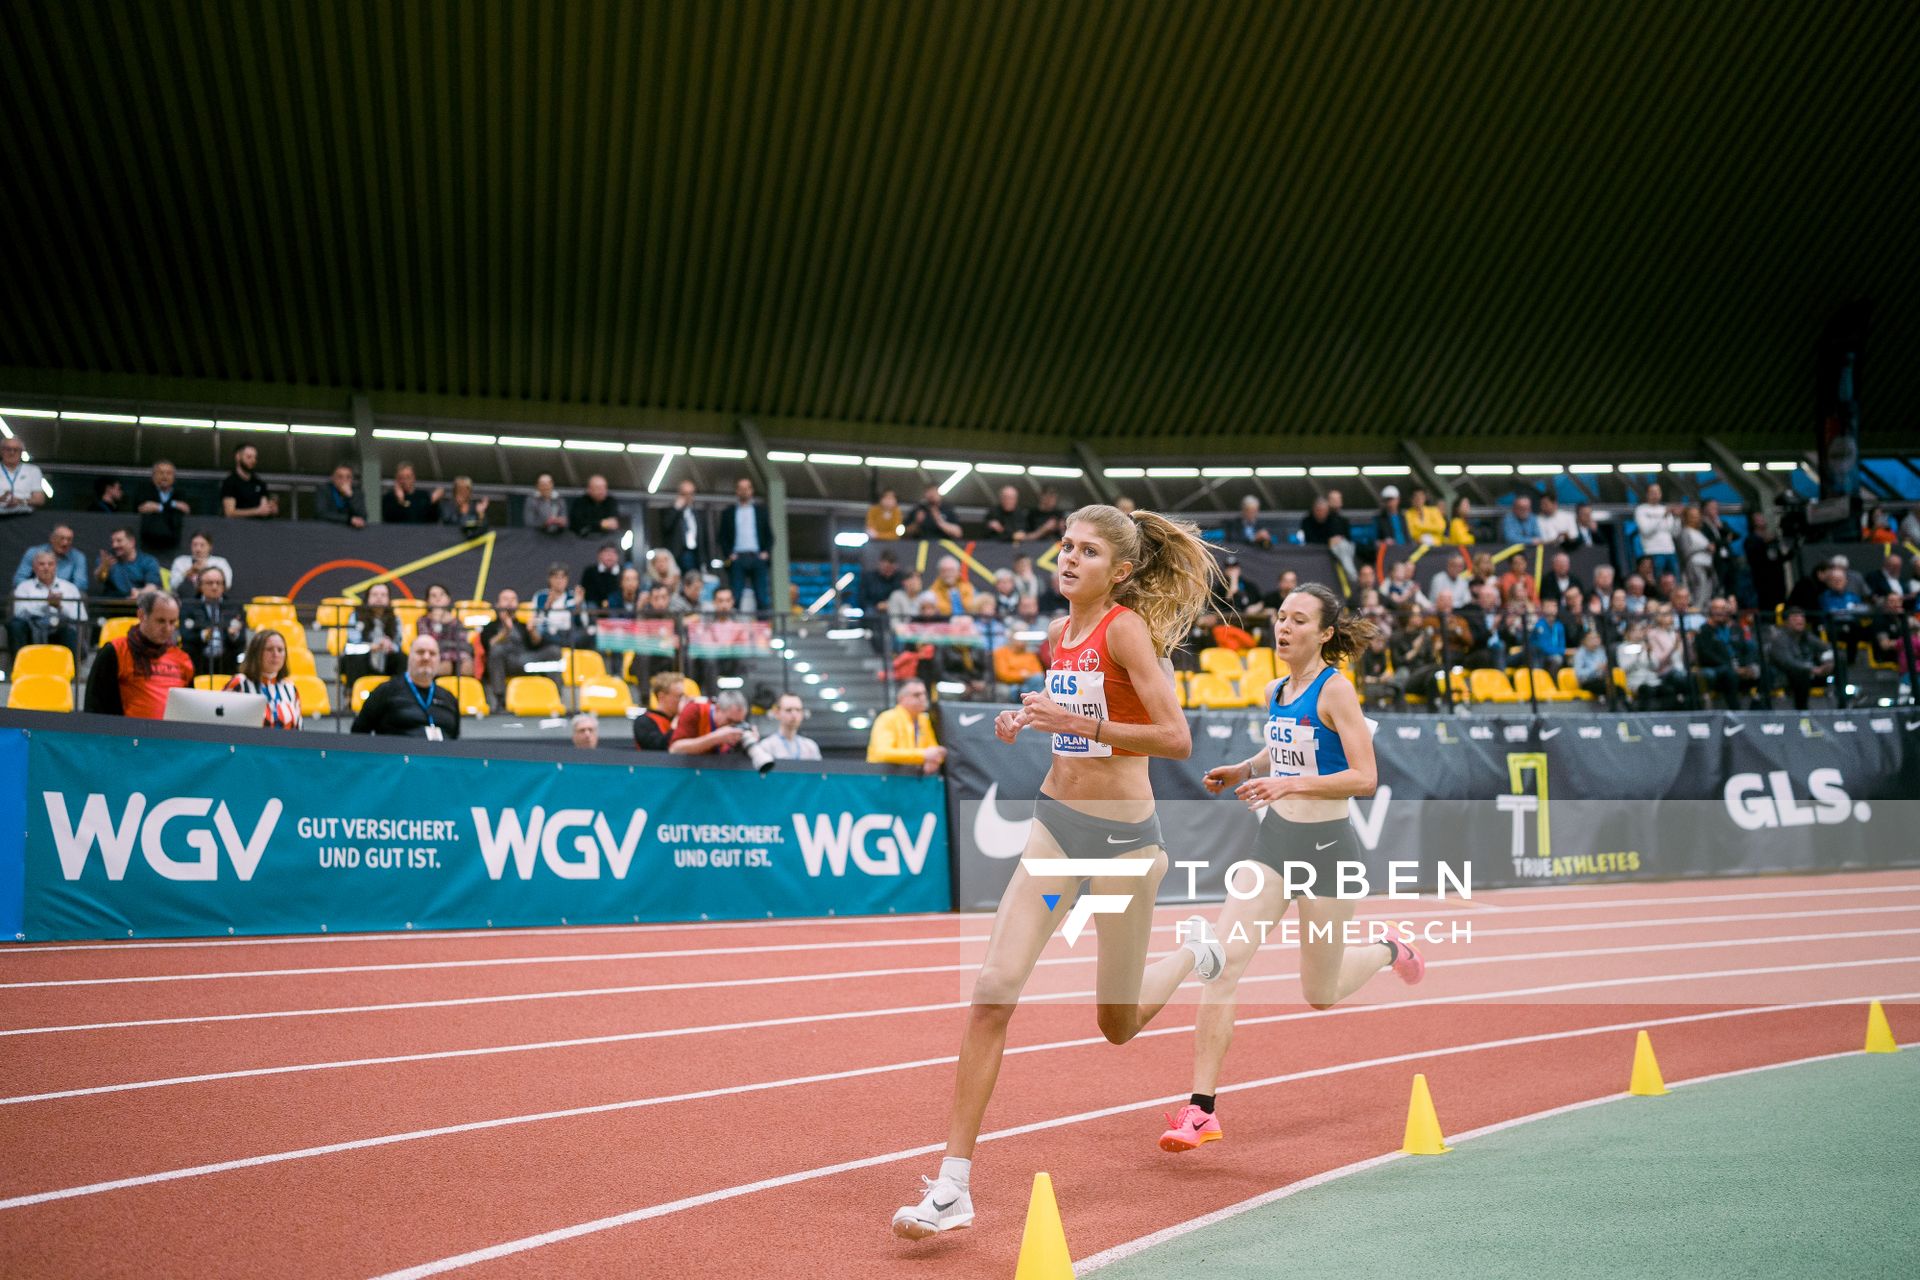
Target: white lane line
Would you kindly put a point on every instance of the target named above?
(1911, 909)
(1482, 902)
(1130, 1248)
(647, 988)
(851, 1015)
(511, 1247)
(632, 1104)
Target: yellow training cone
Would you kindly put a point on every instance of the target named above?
(1043, 1249)
(1423, 1126)
(1879, 1034)
(1646, 1081)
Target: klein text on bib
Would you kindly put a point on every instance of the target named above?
(1083, 693)
(1291, 748)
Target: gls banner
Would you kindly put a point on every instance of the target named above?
(182, 838)
(1521, 800)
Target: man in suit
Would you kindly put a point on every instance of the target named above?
(746, 544)
(1559, 577)
(682, 532)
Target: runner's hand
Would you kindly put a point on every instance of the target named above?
(1258, 793)
(1008, 724)
(1048, 716)
(1226, 775)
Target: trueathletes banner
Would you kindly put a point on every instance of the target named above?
(190, 838)
(1518, 800)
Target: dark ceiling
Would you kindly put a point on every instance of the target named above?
(1163, 228)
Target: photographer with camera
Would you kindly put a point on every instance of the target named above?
(713, 726)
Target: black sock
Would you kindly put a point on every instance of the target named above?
(1204, 1101)
(1393, 951)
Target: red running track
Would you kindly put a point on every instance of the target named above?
(713, 1100)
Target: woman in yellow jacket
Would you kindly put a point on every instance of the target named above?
(1459, 529)
(1426, 523)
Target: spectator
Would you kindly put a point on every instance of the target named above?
(885, 520)
(1006, 591)
(1454, 579)
(1910, 526)
(1124, 505)
(1573, 616)
(243, 494)
(1896, 638)
(600, 583)
(683, 533)
(68, 564)
(1878, 528)
(1400, 591)
(1006, 522)
(1695, 551)
(880, 582)
(929, 520)
(1325, 527)
(1516, 584)
(107, 496)
(656, 604)
(1603, 583)
(1483, 644)
(47, 609)
(373, 636)
(411, 705)
(125, 571)
(1727, 657)
(786, 742)
(1802, 657)
(1460, 526)
(462, 510)
(1557, 525)
(405, 504)
(594, 512)
(1689, 618)
(1723, 537)
(1636, 599)
(1590, 666)
(1283, 586)
(545, 510)
(1415, 647)
(1029, 583)
(1637, 667)
(903, 733)
(1015, 664)
(585, 729)
(340, 501)
(712, 726)
(1560, 578)
(213, 629)
(263, 670)
(630, 596)
(22, 490)
(1547, 637)
(560, 612)
(1586, 532)
(1364, 580)
(662, 570)
(1664, 589)
(1520, 524)
(1249, 529)
(1844, 612)
(653, 727)
(1426, 523)
(449, 633)
(1390, 525)
(1233, 595)
(1043, 522)
(1657, 524)
(1888, 579)
(510, 646)
(746, 544)
(133, 674)
(951, 590)
(692, 586)
(186, 569)
(903, 603)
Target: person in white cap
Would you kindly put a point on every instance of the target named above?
(1390, 526)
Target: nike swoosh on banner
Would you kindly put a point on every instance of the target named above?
(1549, 733)
(1731, 729)
(995, 836)
(1912, 725)
(975, 718)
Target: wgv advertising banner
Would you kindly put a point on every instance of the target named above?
(180, 838)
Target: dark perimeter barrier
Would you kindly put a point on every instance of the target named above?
(152, 830)
(1511, 800)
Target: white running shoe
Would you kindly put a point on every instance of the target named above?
(1209, 957)
(945, 1207)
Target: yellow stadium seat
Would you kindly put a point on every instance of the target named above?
(1180, 679)
(361, 688)
(266, 612)
(113, 628)
(408, 608)
(40, 693)
(270, 600)
(335, 611)
(1535, 685)
(534, 696)
(604, 696)
(313, 695)
(468, 692)
(1213, 692)
(525, 612)
(43, 660)
(292, 632)
(477, 614)
(1484, 684)
(300, 662)
(1570, 686)
(581, 665)
(1221, 662)
(211, 684)
(1260, 666)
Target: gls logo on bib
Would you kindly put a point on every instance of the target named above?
(75, 840)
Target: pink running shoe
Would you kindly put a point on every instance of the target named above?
(1408, 964)
(1190, 1128)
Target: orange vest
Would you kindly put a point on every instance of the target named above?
(145, 697)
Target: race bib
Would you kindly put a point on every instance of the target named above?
(1083, 693)
(1291, 748)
